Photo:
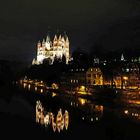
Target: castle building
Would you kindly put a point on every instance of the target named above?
(53, 49)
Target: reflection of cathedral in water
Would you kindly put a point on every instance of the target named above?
(59, 123)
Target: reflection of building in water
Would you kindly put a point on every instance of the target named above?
(88, 111)
(82, 101)
(35, 88)
(130, 113)
(93, 113)
(29, 87)
(24, 85)
(62, 120)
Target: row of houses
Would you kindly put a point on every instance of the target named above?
(126, 76)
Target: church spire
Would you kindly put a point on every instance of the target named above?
(122, 57)
(43, 43)
(48, 38)
(67, 39)
(59, 37)
(43, 40)
(39, 44)
(55, 37)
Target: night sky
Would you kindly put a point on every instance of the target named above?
(110, 24)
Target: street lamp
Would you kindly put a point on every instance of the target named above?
(125, 78)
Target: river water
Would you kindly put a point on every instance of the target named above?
(87, 119)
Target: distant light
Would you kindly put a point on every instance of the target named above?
(29, 86)
(91, 119)
(35, 88)
(24, 85)
(97, 118)
(126, 111)
(127, 70)
(41, 91)
(53, 94)
(125, 78)
(82, 101)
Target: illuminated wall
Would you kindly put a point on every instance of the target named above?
(94, 76)
(57, 48)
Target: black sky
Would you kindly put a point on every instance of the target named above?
(111, 24)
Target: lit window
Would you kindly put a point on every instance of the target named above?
(90, 69)
(71, 81)
(82, 69)
(127, 70)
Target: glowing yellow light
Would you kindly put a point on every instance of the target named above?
(29, 87)
(97, 118)
(82, 101)
(66, 119)
(54, 86)
(41, 91)
(24, 85)
(134, 102)
(46, 120)
(125, 78)
(82, 88)
(53, 94)
(126, 111)
(35, 88)
(61, 120)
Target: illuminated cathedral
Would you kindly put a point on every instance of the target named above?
(57, 48)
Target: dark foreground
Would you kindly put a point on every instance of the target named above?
(17, 120)
(17, 127)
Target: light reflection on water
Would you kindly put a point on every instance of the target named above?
(29, 87)
(41, 90)
(88, 110)
(24, 85)
(129, 113)
(58, 122)
(35, 88)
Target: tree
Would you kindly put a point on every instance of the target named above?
(63, 59)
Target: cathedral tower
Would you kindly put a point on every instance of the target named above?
(57, 48)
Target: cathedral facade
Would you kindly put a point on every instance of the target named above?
(53, 49)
